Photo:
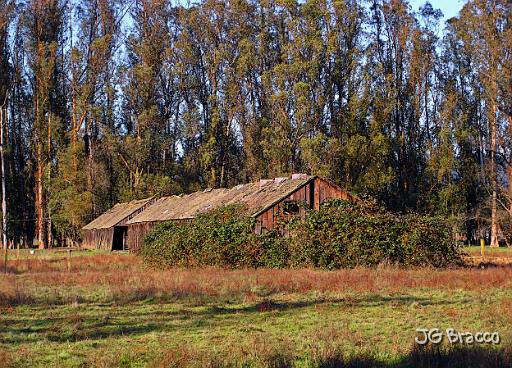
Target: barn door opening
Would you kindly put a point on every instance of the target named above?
(120, 233)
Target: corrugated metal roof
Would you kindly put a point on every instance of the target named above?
(257, 197)
(116, 214)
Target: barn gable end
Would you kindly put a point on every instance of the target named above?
(109, 230)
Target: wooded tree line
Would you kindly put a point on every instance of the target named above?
(110, 100)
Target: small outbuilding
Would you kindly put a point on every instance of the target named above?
(109, 230)
(267, 200)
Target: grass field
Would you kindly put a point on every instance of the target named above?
(107, 310)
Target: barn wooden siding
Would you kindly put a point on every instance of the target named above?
(98, 238)
(136, 234)
(102, 236)
(309, 196)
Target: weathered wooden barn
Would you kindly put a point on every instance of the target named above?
(267, 201)
(109, 231)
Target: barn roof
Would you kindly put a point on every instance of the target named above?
(256, 197)
(116, 214)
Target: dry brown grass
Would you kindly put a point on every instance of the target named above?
(258, 352)
(323, 353)
(97, 262)
(123, 278)
(5, 358)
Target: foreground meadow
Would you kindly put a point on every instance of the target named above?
(107, 310)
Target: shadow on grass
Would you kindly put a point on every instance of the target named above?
(430, 357)
(96, 333)
(486, 265)
(368, 301)
(419, 357)
(77, 324)
(72, 330)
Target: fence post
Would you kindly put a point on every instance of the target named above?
(69, 260)
(482, 247)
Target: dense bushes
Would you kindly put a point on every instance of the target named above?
(344, 234)
(220, 237)
(340, 234)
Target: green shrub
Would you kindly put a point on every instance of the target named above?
(168, 245)
(273, 250)
(222, 237)
(427, 240)
(346, 234)
(340, 234)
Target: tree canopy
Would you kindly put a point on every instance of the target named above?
(109, 100)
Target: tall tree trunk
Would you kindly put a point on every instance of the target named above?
(494, 183)
(509, 171)
(90, 163)
(39, 190)
(48, 184)
(3, 117)
(39, 198)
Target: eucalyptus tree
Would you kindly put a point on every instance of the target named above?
(147, 145)
(484, 29)
(80, 176)
(43, 28)
(5, 86)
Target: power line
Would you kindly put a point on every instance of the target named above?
(47, 218)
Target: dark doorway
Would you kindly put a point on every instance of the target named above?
(119, 241)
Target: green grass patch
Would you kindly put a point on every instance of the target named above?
(488, 250)
(48, 254)
(140, 334)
